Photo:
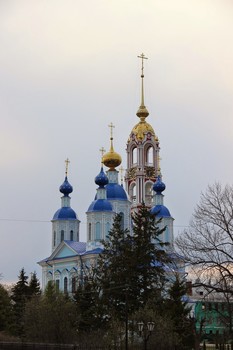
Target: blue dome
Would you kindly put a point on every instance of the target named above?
(66, 188)
(65, 213)
(100, 205)
(101, 179)
(116, 191)
(159, 186)
(160, 211)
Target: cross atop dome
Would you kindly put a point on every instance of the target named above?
(142, 112)
(67, 161)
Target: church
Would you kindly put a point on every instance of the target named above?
(70, 258)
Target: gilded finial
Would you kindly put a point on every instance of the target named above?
(142, 113)
(121, 172)
(67, 165)
(111, 159)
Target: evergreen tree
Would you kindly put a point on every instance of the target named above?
(179, 312)
(20, 294)
(5, 309)
(131, 267)
(34, 285)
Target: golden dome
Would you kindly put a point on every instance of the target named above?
(111, 159)
(142, 128)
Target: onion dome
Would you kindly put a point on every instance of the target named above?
(142, 128)
(111, 159)
(159, 186)
(116, 191)
(160, 211)
(65, 213)
(100, 205)
(101, 179)
(66, 188)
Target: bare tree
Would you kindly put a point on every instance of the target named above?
(207, 246)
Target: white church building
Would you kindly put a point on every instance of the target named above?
(69, 259)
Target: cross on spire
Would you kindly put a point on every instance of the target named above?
(143, 57)
(111, 126)
(67, 165)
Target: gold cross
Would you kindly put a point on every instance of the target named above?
(143, 57)
(102, 151)
(111, 126)
(67, 164)
(121, 172)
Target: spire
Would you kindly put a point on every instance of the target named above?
(142, 112)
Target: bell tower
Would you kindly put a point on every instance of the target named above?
(142, 155)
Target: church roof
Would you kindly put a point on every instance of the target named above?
(115, 191)
(160, 211)
(100, 205)
(65, 213)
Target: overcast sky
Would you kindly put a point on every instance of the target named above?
(69, 67)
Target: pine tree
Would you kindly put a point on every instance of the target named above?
(20, 294)
(131, 267)
(5, 309)
(34, 285)
(179, 312)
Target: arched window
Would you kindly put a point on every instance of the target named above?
(62, 235)
(77, 236)
(134, 155)
(122, 220)
(54, 238)
(73, 285)
(57, 285)
(71, 235)
(97, 231)
(89, 232)
(150, 156)
(65, 285)
(107, 228)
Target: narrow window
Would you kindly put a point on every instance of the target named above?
(89, 232)
(57, 285)
(62, 235)
(122, 220)
(54, 238)
(134, 156)
(65, 284)
(107, 228)
(73, 284)
(71, 235)
(97, 231)
(149, 156)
